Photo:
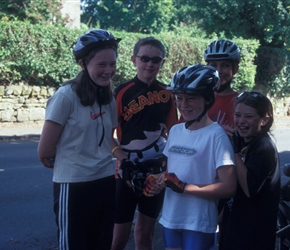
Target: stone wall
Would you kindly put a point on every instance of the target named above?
(26, 104)
(23, 103)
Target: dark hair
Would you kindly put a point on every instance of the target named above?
(211, 100)
(87, 91)
(261, 104)
(149, 41)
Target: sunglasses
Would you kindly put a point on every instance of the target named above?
(154, 59)
(252, 94)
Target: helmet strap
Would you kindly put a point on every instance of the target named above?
(188, 123)
(87, 72)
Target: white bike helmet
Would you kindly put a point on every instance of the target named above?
(219, 50)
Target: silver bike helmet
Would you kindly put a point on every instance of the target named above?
(91, 40)
(219, 50)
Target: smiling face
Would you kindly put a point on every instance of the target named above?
(102, 67)
(226, 70)
(190, 106)
(247, 121)
(147, 71)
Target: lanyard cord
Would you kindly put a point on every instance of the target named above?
(103, 128)
(98, 89)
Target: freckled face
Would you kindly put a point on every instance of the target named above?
(247, 121)
(102, 67)
(190, 106)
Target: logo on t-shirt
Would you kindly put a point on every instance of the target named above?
(95, 116)
(182, 150)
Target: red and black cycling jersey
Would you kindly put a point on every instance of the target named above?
(145, 112)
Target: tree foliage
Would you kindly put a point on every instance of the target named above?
(273, 70)
(33, 11)
(265, 21)
(146, 16)
(268, 21)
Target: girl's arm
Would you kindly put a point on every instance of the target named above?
(242, 174)
(225, 188)
(47, 144)
(117, 151)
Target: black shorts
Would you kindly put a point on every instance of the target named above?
(127, 201)
(86, 207)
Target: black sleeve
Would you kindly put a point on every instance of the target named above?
(261, 161)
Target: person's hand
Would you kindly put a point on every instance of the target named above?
(127, 168)
(48, 162)
(237, 142)
(229, 130)
(149, 183)
(153, 185)
(153, 166)
(172, 181)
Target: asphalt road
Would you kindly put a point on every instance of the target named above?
(26, 201)
(26, 216)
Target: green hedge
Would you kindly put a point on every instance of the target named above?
(42, 55)
(38, 55)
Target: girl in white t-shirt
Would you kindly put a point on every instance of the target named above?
(200, 164)
(77, 142)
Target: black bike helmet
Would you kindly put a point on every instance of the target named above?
(195, 79)
(222, 50)
(91, 40)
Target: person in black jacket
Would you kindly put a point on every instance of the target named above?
(249, 218)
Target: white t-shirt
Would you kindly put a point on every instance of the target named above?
(194, 156)
(78, 156)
